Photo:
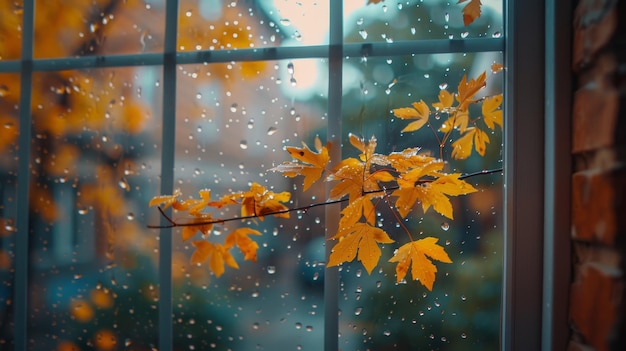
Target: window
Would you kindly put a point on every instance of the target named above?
(129, 99)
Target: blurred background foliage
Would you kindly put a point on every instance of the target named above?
(95, 162)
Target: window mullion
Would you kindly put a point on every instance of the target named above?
(167, 174)
(23, 181)
(335, 71)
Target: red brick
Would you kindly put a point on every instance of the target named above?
(595, 23)
(595, 299)
(598, 205)
(595, 118)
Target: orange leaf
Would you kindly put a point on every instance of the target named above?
(419, 111)
(361, 238)
(189, 231)
(480, 142)
(418, 254)
(217, 255)
(259, 201)
(312, 166)
(166, 200)
(467, 90)
(471, 11)
(239, 237)
(462, 148)
(491, 114)
(445, 100)
(361, 206)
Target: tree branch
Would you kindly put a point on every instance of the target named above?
(173, 223)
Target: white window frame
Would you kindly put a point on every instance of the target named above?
(537, 171)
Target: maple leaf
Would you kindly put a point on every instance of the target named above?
(445, 100)
(462, 148)
(355, 179)
(419, 111)
(351, 214)
(169, 200)
(491, 113)
(204, 228)
(196, 206)
(312, 166)
(240, 238)
(217, 255)
(459, 119)
(471, 11)
(362, 238)
(409, 159)
(259, 201)
(480, 141)
(419, 255)
(434, 193)
(467, 90)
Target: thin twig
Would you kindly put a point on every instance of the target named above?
(173, 223)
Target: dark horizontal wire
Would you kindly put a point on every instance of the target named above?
(432, 46)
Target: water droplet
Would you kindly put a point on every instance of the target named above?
(271, 269)
(255, 325)
(359, 22)
(298, 325)
(285, 22)
(198, 96)
(363, 33)
(188, 13)
(387, 332)
(463, 336)
(443, 86)
(271, 131)
(446, 17)
(399, 6)
(496, 35)
(413, 31)
(233, 107)
(130, 216)
(358, 310)
(293, 82)
(445, 226)
(463, 298)
(464, 34)
(243, 144)
(297, 35)
(309, 328)
(82, 211)
(426, 75)
(124, 184)
(290, 68)
(251, 123)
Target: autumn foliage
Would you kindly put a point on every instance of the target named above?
(399, 181)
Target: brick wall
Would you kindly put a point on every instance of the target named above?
(597, 295)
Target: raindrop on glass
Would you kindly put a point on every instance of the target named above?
(290, 68)
(271, 131)
(243, 144)
(285, 22)
(271, 269)
(358, 310)
(251, 123)
(387, 332)
(445, 226)
(446, 17)
(443, 86)
(464, 34)
(363, 33)
(496, 35)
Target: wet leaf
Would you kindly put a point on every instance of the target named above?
(361, 238)
(420, 112)
(419, 256)
(471, 11)
(491, 114)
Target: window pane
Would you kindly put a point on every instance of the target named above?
(10, 30)
(9, 129)
(374, 21)
(232, 127)
(94, 165)
(462, 311)
(217, 25)
(83, 28)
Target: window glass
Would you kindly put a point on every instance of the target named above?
(10, 30)
(217, 25)
(463, 310)
(101, 27)
(232, 127)
(94, 165)
(9, 132)
(385, 21)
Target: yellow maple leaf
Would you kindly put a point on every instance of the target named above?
(409, 159)
(419, 255)
(491, 114)
(189, 231)
(361, 238)
(459, 120)
(355, 179)
(217, 254)
(471, 11)
(259, 201)
(312, 166)
(351, 214)
(462, 147)
(240, 238)
(481, 139)
(419, 111)
(467, 90)
(445, 100)
(169, 200)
